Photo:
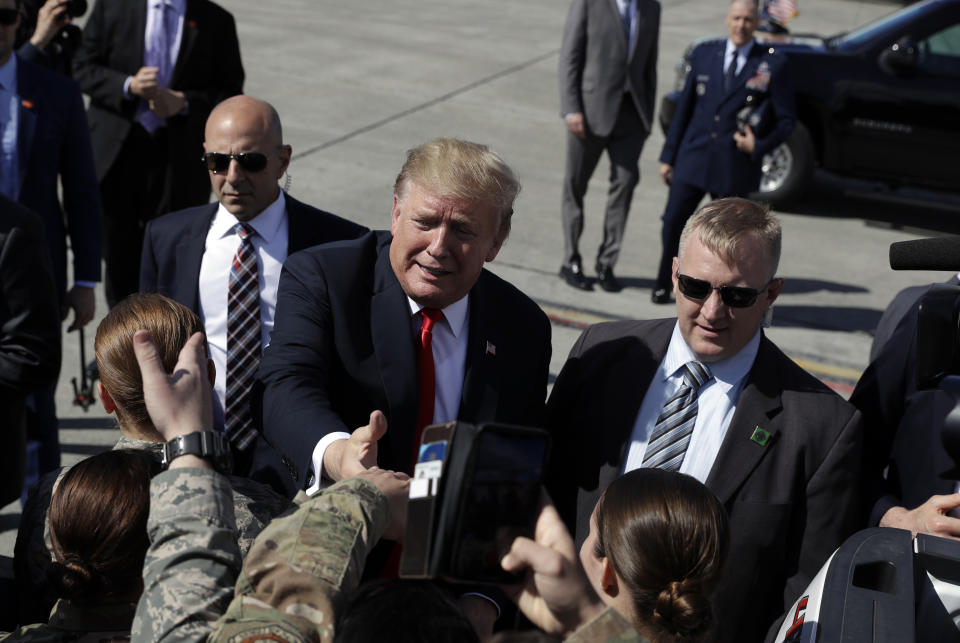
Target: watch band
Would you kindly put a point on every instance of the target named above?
(211, 445)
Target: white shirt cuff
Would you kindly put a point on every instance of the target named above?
(126, 88)
(316, 466)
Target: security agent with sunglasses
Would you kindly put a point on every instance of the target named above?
(188, 255)
(708, 394)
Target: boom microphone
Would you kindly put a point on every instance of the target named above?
(937, 253)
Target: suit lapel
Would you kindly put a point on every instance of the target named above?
(749, 67)
(758, 407)
(26, 121)
(396, 358)
(191, 28)
(298, 232)
(190, 254)
(478, 399)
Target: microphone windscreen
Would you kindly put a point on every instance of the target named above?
(938, 253)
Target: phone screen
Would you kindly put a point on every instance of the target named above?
(500, 503)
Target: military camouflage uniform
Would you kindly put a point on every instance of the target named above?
(292, 575)
(94, 624)
(255, 505)
(608, 627)
(290, 579)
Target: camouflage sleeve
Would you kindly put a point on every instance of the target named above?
(301, 562)
(193, 560)
(608, 627)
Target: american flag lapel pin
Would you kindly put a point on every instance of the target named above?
(491, 349)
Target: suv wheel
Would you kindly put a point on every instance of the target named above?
(787, 169)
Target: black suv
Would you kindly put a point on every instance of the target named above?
(881, 102)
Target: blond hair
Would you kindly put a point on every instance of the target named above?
(726, 226)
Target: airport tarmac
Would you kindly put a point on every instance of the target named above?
(357, 84)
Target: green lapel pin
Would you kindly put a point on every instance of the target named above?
(760, 436)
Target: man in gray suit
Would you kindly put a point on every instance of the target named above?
(608, 83)
(709, 395)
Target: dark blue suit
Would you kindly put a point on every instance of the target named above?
(700, 144)
(53, 139)
(342, 347)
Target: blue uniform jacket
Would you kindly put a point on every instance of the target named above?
(700, 144)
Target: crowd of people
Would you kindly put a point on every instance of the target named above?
(272, 366)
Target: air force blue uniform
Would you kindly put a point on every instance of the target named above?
(700, 144)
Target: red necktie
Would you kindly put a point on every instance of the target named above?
(427, 375)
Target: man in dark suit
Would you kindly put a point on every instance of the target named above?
(153, 72)
(906, 469)
(778, 448)
(608, 83)
(351, 317)
(188, 255)
(29, 333)
(46, 146)
(713, 146)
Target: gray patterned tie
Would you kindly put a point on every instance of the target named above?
(243, 339)
(671, 434)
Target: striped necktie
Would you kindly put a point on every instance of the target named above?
(243, 339)
(671, 434)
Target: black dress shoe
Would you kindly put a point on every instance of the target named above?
(660, 296)
(572, 273)
(606, 279)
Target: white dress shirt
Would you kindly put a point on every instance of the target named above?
(270, 242)
(449, 345)
(742, 52)
(716, 404)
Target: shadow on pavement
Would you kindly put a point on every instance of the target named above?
(845, 318)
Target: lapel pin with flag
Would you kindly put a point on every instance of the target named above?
(491, 349)
(27, 103)
(760, 436)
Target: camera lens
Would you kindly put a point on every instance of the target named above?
(76, 8)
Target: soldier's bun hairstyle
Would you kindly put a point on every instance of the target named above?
(666, 536)
(98, 526)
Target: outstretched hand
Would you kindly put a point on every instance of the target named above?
(346, 458)
(555, 595)
(396, 487)
(179, 402)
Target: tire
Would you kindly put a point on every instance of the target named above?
(787, 169)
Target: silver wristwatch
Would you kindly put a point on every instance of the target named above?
(205, 444)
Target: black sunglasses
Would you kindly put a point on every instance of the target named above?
(732, 296)
(249, 161)
(8, 16)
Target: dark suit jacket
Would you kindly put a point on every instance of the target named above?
(52, 140)
(208, 70)
(595, 65)
(342, 347)
(791, 502)
(173, 245)
(700, 144)
(29, 332)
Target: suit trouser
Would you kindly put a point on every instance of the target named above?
(623, 146)
(682, 201)
(136, 189)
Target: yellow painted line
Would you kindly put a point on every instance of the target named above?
(831, 370)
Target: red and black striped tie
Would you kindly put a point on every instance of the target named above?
(243, 339)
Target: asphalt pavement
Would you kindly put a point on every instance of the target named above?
(357, 84)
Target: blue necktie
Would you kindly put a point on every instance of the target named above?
(731, 72)
(671, 434)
